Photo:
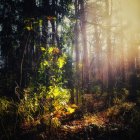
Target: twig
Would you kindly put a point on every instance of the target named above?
(21, 66)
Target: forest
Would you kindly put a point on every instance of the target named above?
(69, 69)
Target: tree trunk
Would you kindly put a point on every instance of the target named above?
(85, 74)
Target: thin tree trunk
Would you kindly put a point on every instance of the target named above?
(85, 79)
(109, 51)
(76, 51)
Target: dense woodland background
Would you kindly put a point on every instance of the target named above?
(86, 53)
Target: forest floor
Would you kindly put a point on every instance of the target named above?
(91, 126)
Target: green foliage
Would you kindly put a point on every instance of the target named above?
(121, 108)
(41, 99)
(53, 62)
(6, 106)
(120, 96)
(46, 98)
(51, 66)
(27, 108)
(96, 89)
(8, 117)
(120, 111)
(60, 95)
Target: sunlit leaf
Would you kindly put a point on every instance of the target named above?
(70, 110)
(40, 22)
(50, 50)
(45, 63)
(61, 62)
(29, 28)
(43, 49)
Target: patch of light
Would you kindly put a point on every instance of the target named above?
(110, 7)
(72, 7)
(0, 27)
(66, 20)
(104, 48)
(14, 28)
(59, 28)
(38, 3)
(91, 1)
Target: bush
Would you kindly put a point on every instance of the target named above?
(8, 117)
(46, 95)
(120, 112)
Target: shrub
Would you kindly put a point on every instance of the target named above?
(6, 106)
(8, 117)
(119, 112)
(49, 95)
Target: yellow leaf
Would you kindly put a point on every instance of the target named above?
(50, 50)
(70, 110)
(40, 22)
(74, 106)
(45, 63)
(43, 49)
(61, 62)
(29, 28)
(56, 92)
